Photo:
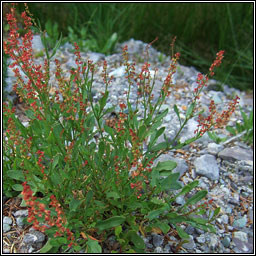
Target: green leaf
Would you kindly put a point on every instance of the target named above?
(101, 148)
(19, 124)
(56, 177)
(16, 174)
(154, 177)
(170, 182)
(163, 226)
(155, 213)
(47, 247)
(141, 132)
(110, 223)
(17, 187)
(109, 130)
(160, 146)
(110, 43)
(231, 130)
(186, 189)
(23, 202)
(118, 231)
(103, 100)
(166, 166)
(215, 214)
(212, 136)
(136, 239)
(30, 113)
(56, 46)
(190, 110)
(177, 112)
(251, 119)
(55, 161)
(245, 118)
(74, 204)
(197, 197)
(157, 201)
(155, 135)
(187, 142)
(93, 246)
(239, 127)
(198, 220)
(181, 232)
(160, 116)
(113, 194)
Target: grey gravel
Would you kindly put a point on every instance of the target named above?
(7, 220)
(6, 228)
(218, 167)
(226, 241)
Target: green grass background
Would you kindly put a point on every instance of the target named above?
(202, 29)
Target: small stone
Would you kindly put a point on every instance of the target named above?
(228, 210)
(241, 236)
(71, 63)
(199, 231)
(180, 200)
(167, 248)
(250, 214)
(190, 245)
(19, 221)
(240, 223)
(236, 153)
(21, 213)
(149, 245)
(37, 44)
(201, 239)
(157, 240)
(117, 72)
(213, 242)
(224, 218)
(7, 220)
(214, 148)
(159, 250)
(241, 246)
(33, 237)
(206, 165)
(226, 241)
(190, 230)
(6, 227)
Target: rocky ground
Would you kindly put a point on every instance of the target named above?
(225, 169)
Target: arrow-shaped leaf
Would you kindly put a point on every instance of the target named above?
(110, 223)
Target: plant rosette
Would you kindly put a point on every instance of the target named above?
(83, 180)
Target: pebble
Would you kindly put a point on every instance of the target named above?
(20, 222)
(213, 242)
(236, 153)
(226, 241)
(217, 167)
(214, 148)
(201, 239)
(21, 213)
(206, 165)
(33, 237)
(157, 240)
(190, 244)
(7, 220)
(159, 249)
(240, 223)
(6, 228)
(241, 236)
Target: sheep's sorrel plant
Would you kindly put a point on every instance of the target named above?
(95, 180)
